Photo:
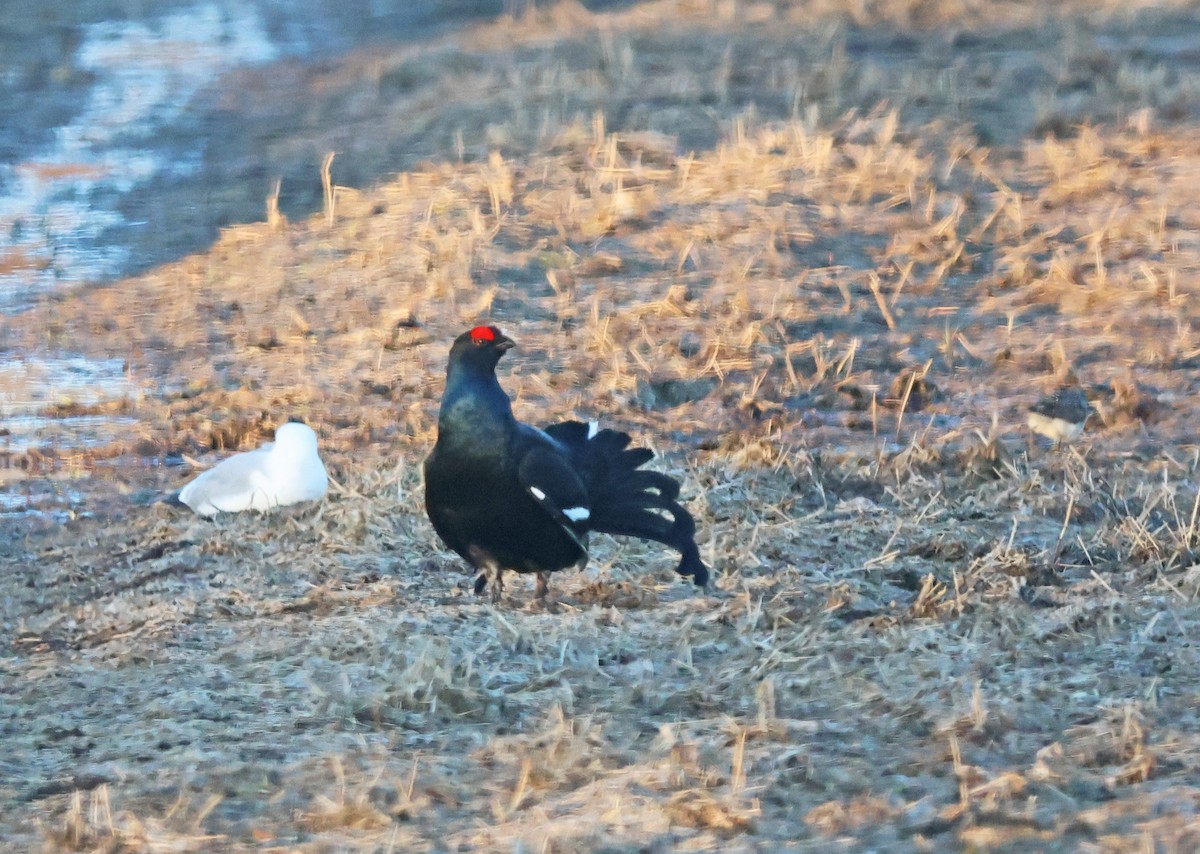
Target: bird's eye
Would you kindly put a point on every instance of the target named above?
(479, 342)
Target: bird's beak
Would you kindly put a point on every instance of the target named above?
(504, 344)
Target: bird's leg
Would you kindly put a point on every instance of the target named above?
(497, 582)
(543, 586)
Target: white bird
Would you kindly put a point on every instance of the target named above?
(1061, 415)
(285, 471)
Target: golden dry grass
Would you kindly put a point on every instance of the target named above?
(929, 632)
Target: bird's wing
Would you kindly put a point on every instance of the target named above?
(238, 483)
(548, 477)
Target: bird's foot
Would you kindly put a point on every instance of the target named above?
(481, 584)
(543, 587)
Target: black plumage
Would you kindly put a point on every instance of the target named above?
(505, 495)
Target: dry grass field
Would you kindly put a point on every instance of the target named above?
(821, 257)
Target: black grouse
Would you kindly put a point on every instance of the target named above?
(505, 495)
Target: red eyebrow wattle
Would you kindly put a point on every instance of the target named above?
(483, 333)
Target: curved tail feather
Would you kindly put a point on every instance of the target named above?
(627, 500)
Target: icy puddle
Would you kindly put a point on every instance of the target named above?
(57, 206)
(30, 390)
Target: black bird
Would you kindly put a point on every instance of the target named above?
(505, 495)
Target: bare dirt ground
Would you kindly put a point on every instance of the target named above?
(929, 631)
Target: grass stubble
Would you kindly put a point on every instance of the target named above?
(928, 631)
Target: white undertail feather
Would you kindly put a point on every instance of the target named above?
(577, 514)
(593, 429)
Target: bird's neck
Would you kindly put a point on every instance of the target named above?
(474, 409)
